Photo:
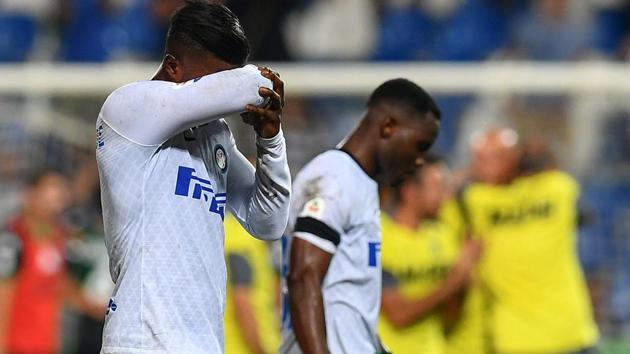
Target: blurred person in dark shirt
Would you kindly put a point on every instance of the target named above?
(33, 278)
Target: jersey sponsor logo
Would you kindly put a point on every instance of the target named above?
(433, 273)
(314, 208)
(111, 306)
(220, 157)
(201, 187)
(99, 137)
(374, 248)
(520, 214)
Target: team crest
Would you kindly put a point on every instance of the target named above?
(220, 157)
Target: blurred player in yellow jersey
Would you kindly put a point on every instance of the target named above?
(251, 315)
(423, 271)
(532, 280)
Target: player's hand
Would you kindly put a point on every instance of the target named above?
(266, 120)
(470, 255)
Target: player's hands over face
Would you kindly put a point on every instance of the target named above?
(266, 119)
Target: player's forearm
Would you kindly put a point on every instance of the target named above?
(307, 315)
(451, 311)
(150, 112)
(246, 320)
(6, 298)
(268, 210)
(404, 312)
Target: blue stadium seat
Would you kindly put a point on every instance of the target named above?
(474, 32)
(89, 35)
(611, 26)
(93, 35)
(404, 34)
(17, 35)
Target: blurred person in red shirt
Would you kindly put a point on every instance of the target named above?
(33, 279)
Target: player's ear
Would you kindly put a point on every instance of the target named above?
(387, 127)
(173, 68)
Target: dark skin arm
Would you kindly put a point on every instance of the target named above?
(403, 312)
(309, 265)
(451, 311)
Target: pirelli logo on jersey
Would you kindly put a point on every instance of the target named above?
(190, 185)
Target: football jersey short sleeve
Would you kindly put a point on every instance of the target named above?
(323, 216)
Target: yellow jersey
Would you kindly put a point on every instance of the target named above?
(419, 260)
(538, 297)
(469, 336)
(264, 290)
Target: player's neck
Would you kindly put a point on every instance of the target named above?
(362, 151)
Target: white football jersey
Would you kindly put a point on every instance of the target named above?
(169, 166)
(336, 208)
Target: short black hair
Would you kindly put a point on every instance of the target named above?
(208, 26)
(405, 92)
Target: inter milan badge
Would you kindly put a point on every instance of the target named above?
(220, 158)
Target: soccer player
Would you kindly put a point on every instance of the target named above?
(334, 272)
(34, 282)
(424, 273)
(169, 167)
(536, 292)
(251, 321)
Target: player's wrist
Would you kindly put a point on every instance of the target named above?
(270, 138)
(268, 130)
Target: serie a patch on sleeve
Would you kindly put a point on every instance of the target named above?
(314, 208)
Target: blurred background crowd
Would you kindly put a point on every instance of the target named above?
(589, 136)
(286, 30)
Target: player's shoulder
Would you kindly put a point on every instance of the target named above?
(554, 179)
(469, 191)
(118, 99)
(334, 166)
(132, 98)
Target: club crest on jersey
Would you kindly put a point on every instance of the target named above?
(220, 157)
(200, 187)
